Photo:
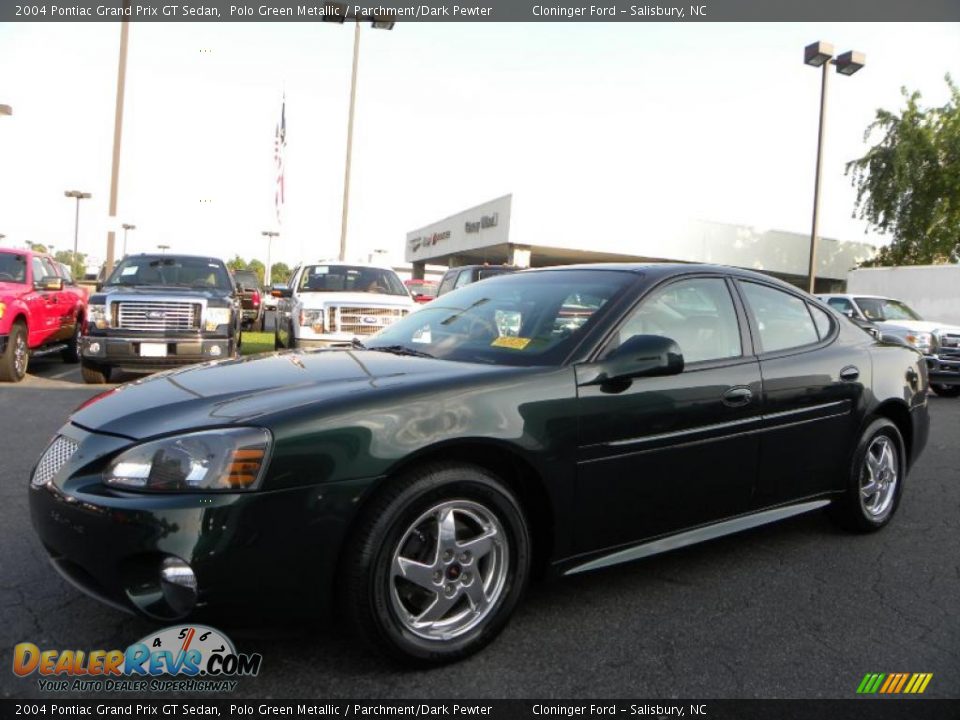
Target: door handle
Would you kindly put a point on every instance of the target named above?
(737, 396)
(849, 373)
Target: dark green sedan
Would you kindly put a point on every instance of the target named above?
(545, 422)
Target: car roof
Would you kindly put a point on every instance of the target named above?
(852, 295)
(666, 269)
(171, 256)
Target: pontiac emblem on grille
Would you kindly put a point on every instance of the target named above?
(156, 314)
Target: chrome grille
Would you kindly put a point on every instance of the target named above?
(362, 320)
(950, 347)
(58, 452)
(158, 316)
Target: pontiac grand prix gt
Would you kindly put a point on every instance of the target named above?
(551, 421)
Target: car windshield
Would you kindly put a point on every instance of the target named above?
(881, 309)
(193, 272)
(246, 278)
(350, 278)
(514, 319)
(13, 267)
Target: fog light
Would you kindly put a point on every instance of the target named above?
(215, 350)
(94, 347)
(179, 585)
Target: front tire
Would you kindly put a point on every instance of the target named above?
(876, 479)
(16, 356)
(436, 565)
(94, 374)
(71, 354)
(947, 391)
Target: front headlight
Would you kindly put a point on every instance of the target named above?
(312, 319)
(215, 317)
(97, 316)
(232, 459)
(921, 341)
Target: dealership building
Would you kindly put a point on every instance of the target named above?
(483, 234)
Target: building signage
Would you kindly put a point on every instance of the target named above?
(428, 240)
(486, 221)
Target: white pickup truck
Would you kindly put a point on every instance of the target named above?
(330, 304)
(939, 342)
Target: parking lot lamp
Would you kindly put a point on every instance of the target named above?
(79, 195)
(338, 13)
(267, 277)
(820, 54)
(163, 249)
(126, 227)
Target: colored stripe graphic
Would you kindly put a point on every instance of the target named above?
(894, 683)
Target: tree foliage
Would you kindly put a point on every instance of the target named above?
(77, 265)
(279, 273)
(257, 267)
(908, 183)
(238, 263)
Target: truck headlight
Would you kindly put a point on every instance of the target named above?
(98, 317)
(232, 459)
(312, 319)
(3, 309)
(214, 317)
(922, 341)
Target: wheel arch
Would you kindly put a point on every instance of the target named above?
(898, 413)
(505, 462)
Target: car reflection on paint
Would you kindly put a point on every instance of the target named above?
(545, 422)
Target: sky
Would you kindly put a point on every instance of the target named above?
(596, 128)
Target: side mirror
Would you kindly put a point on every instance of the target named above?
(639, 356)
(281, 291)
(51, 283)
(849, 313)
(99, 286)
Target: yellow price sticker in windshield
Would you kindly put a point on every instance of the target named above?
(514, 343)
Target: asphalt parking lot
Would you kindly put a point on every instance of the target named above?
(798, 609)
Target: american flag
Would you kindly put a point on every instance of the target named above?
(279, 146)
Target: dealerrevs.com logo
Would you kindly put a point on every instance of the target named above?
(176, 659)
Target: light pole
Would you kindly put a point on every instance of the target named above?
(163, 249)
(79, 195)
(338, 12)
(117, 134)
(126, 227)
(820, 54)
(269, 235)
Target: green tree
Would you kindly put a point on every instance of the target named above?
(258, 268)
(238, 263)
(908, 183)
(77, 265)
(37, 247)
(279, 272)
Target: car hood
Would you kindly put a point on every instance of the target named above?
(322, 299)
(240, 391)
(159, 290)
(917, 326)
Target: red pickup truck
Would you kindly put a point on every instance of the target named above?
(41, 311)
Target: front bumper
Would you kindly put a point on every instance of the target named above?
(128, 353)
(260, 550)
(943, 370)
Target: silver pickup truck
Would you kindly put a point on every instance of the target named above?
(939, 342)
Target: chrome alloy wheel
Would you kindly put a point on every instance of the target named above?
(449, 570)
(20, 354)
(878, 477)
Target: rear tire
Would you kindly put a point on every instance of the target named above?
(947, 391)
(436, 564)
(16, 356)
(875, 482)
(94, 374)
(72, 353)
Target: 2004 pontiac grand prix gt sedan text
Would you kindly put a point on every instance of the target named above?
(553, 420)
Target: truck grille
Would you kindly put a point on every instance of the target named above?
(950, 346)
(58, 452)
(158, 316)
(362, 320)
